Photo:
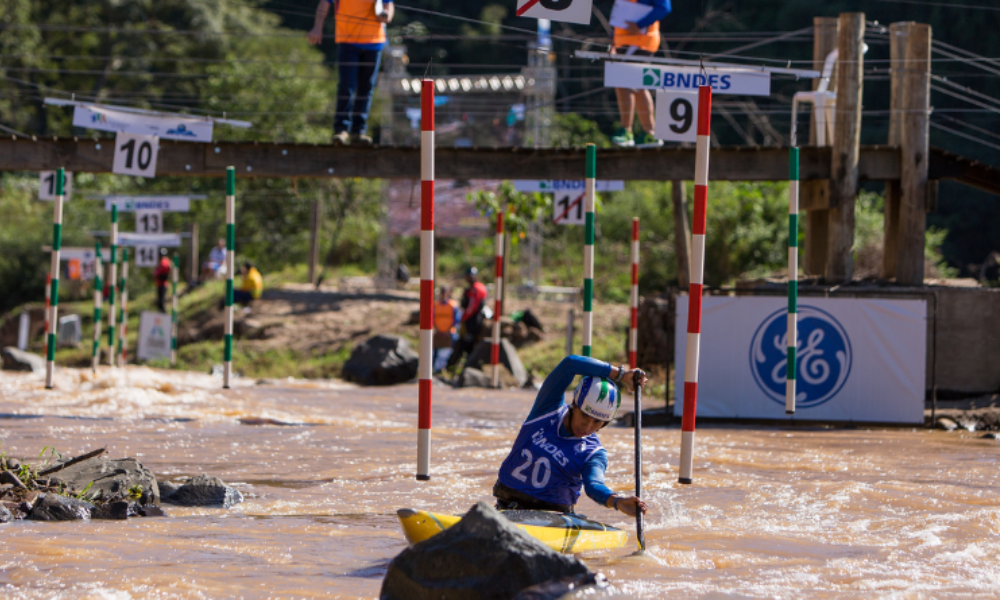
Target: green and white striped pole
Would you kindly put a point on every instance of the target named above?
(791, 367)
(123, 314)
(227, 368)
(98, 299)
(112, 284)
(589, 201)
(57, 215)
(173, 316)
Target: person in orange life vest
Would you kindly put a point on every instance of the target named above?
(446, 315)
(360, 36)
(642, 38)
(161, 274)
(471, 323)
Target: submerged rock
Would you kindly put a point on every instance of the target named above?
(53, 507)
(203, 490)
(19, 360)
(483, 556)
(382, 360)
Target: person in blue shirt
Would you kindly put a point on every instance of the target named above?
(641, 38)
(557, 452)
(360, 36)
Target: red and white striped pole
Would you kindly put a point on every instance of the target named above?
(697, 280)
(498, 292)
(426, 365)
(633, 331)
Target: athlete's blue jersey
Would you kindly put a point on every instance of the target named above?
(546, 465)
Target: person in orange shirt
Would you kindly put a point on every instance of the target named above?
(360, 36)
(640, 39)
(445, 334)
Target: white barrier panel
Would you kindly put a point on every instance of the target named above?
(858, 359)
(154, 335)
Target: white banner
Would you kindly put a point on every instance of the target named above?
(162, 240)
(162, 203)
(668, 77)
(154, 335)
(167, 128)
(556, 185)
(83, 254)
(858, 359)
(567, 11)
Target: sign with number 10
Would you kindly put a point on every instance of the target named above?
(567, 11)
(135, 154)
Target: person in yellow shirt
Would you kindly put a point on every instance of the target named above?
(640, 39)
(360, 37)
(252, 288)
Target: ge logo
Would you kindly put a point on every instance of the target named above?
(651, 77)
(823, 357)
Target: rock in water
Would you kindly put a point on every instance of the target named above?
(9, 478)
(111, 477)
(203, 490)
(382, 360)
(167, 490)
(116, 511)
(5, 515)
(482, 354)
(582, 586)
(471, 377)
(18, 360)
(947, 424)
(484, 556)
(53, 507)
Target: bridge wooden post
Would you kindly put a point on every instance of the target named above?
(846, 148)
(682, 234)
(814, 197)
(898, 34)
(915, 148)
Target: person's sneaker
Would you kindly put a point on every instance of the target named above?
(360, 139)
(342, 139)
(623, 138)
(648, 141)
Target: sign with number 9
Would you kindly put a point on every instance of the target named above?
(676, 116)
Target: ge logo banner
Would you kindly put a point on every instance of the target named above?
(824, 357)
(567, 11)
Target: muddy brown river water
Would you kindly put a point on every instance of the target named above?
(773, 513)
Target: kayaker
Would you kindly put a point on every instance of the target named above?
(557, 452)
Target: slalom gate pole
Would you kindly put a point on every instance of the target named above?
(697, 280)
(98, 299)
(791, 366)
(123, 313)
(227, 367)
(173, 311)
(112, 285)
(498, 292)
(53, 317)
(426, 364)
(589, 200)
(633, 331)
(48, 305)
(639, 534)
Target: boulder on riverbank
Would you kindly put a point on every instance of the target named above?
(483, 556)
(382, 360)
(108, 479)
(509, 358)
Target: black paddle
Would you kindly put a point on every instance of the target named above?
(638, 457)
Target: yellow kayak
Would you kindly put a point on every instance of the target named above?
(568, 534)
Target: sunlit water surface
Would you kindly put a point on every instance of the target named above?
(773, 513)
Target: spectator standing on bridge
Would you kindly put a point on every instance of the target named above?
(473, 302)
(642, 38)
(360, 36)
(161, 274)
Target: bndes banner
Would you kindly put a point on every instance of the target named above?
(858, 359)
(634, 76)
(164, 127)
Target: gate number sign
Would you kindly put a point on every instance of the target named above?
(146, 256)
(135, 154)
(676, 116)
(567, 11)
(47, 185)
(568, 208)
(148, 221)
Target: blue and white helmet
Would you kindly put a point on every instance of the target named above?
(597, 398)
